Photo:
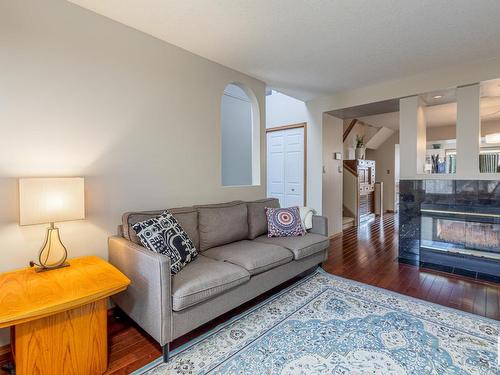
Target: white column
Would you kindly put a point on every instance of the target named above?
(412, 137)
(314, 197)
(332, 176)
(468, 131)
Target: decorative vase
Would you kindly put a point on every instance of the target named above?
(360, 152)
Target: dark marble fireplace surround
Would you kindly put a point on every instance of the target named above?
(470, 196)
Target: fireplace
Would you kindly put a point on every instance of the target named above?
(455, 232)
(451, 226)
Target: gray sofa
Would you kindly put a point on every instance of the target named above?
(236, 262)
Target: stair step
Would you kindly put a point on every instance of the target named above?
(347, 219)
(347, 222)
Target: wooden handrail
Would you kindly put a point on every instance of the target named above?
(349, 169)
(349, 128)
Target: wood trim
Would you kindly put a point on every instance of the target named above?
(349, 169)
(286, 127)
(295, 126)
(349, 128)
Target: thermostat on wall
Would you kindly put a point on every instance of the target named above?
(337, 155)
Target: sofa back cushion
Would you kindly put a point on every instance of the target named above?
(223, 223)
(257, 220)
(187, 217)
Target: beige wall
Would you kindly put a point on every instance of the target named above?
(359, 129)
(332, 178)
(350, 201)
(283, 110)
(82, 95)
(384, 158)
(440, 133)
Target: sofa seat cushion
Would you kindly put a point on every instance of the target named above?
(202, 279)
(301, 246)
(255, 257)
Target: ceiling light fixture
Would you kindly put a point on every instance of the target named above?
(437, 96)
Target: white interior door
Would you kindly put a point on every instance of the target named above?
(285, 166)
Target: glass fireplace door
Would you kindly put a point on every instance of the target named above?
(459, 231)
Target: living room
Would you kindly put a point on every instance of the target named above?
(128, 110)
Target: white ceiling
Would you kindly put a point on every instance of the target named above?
(388, 120)
(317, 47)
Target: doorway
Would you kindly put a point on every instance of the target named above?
(286, 164)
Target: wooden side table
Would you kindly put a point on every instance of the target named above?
(58, 318)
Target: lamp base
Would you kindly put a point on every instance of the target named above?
(53, 253)
(44, 269)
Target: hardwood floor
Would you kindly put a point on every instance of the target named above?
(367, 254)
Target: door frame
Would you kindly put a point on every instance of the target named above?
(294, 126)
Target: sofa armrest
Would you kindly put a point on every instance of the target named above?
(148, 298)
(320, 225)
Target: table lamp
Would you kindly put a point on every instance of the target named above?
(50, 200)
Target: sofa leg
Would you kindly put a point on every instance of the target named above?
(165, 349)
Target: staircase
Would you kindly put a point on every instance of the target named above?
(356, 205)
(347, 222)
(377, 136)
(350, 202)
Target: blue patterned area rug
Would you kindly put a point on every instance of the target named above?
(329, 325)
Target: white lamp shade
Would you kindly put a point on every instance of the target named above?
(48, 200)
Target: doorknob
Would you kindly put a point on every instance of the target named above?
(293, 189)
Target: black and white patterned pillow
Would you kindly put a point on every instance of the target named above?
(164, 235)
